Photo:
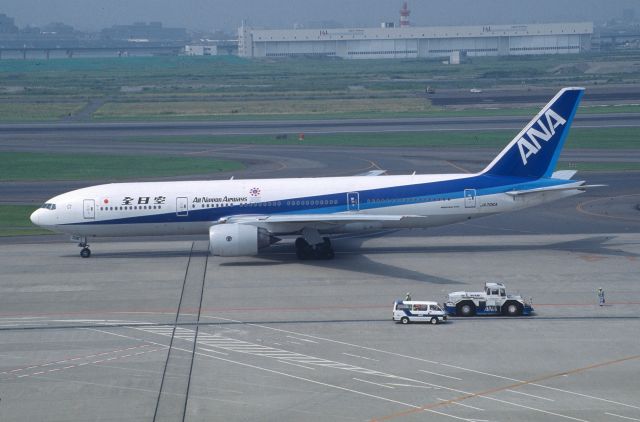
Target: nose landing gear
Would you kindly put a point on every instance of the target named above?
(85, 252)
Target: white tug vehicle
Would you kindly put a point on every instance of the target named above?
(494, 300)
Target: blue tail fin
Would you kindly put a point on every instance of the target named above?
(534, 152)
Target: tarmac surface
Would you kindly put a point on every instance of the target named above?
(156, 329)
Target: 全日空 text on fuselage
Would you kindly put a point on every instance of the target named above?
(256, 210)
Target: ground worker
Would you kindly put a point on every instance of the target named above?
(600, 296)
(408, 296)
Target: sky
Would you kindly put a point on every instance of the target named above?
(228, 14)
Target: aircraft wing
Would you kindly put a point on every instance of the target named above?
(372, 173)
(295, 223)
(313, 218)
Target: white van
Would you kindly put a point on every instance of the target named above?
(407, 311)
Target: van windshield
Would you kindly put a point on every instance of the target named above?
(402, 307)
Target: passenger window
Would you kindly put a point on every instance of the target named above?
(494, 292)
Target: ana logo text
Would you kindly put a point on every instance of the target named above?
(530, 146)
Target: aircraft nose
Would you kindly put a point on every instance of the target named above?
(35, 217)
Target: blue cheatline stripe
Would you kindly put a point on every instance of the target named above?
(369, 199)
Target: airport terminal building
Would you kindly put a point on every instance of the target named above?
(417, 42)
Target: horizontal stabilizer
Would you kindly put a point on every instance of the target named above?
(578, 186)
(564, 174)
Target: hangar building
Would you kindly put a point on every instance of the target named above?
(417, 42)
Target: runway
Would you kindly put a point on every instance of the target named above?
(155, 329)
(97, 130)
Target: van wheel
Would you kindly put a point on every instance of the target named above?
(433, 321)
(467, 309)
(404, 320)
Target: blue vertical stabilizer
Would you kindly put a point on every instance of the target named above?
(534, 152)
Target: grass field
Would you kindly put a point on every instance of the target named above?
(257, 109)
(136, 88)
(36, 166)
(610, 138)
(614, 167)
(47, 111)
(14, 221)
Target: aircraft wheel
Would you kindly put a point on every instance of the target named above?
(324, 252)
(85, 252)
(303, 249)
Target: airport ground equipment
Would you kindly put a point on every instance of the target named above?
(494, 300)
(406, 311)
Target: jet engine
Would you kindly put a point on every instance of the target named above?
(238, 239)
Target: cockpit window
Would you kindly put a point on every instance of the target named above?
(49, 206)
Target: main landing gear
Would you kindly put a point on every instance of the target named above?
(322, 250)
(85, 252)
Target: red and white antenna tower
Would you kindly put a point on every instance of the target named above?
(404, 15)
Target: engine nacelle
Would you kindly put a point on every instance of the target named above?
(238, 239)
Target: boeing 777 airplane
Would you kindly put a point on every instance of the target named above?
(244, 216)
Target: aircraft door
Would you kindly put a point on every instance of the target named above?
(469, 198)
(353, 201)
(89, 209)
(182, 206)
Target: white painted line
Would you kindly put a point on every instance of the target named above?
(620, 416)
(486, 397)
(337, 387)
(69, 367)
(302, 339)
(214, 351)
(296, 364)
(38, 373)
(462, 404)
(530, 395)
(361, 357)
(412, 386)
(374, 383)
(440, 375)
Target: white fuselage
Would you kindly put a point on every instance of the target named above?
(192, 207)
